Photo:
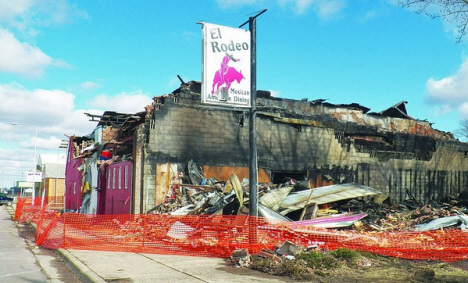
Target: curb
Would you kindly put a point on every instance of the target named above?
(79, 268)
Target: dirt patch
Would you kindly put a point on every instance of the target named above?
(352, 266)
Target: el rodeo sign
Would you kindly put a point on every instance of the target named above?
(226, 66)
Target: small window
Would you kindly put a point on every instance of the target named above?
(120, 178)
(74, 188)
(108, 179)
(113, 178)
(126, 177)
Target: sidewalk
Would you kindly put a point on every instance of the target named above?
(99, 266)
(96, 266)
(17, 262)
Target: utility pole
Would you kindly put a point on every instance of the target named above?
(253, 172)
(253, 169)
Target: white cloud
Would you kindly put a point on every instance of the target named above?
(9, 10)
(369, 15)
(20, 19)
(188, 35)
(298, 6)
(123, 102)
(225, 4)
(21, 58)
(450, 92)
(325, 9)
(46, 105)
(442, 110)
(51, 111)
(90, 85)
(463, 109)
(25, 14)
(60, 12)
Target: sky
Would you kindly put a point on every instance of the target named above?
(60, 59)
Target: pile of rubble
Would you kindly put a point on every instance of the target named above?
(343, 206)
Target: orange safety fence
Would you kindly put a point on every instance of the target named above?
(221, 235)
(54, 202)
(27, 210)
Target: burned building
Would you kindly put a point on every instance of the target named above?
(99, 168)
(324, 143)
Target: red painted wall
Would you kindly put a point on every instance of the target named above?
(73, 196)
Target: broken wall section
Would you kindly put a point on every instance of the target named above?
(330, 143)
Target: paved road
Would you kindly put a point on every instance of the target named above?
(21, 260)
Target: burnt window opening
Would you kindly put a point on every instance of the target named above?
(240, 118)
(285, 176)
(240, 121)
(297, 127)
(158, 102)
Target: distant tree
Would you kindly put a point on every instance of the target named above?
(455, 11)
(462, 132)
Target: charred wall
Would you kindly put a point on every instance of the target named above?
(331, 144)
(184, 132)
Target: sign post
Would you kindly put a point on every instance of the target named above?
(230, 79)
(253, 171)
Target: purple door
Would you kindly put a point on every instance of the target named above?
(73, 185)
(118, 193)
(102, 185)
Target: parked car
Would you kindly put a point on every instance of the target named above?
(4, 199)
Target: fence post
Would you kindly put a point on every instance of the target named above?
(144, 231)
(64, 230)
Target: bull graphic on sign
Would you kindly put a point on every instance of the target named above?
(226, 75)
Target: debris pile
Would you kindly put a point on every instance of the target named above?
(409, 217)
(294, 203)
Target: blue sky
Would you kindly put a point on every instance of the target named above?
(61, 58)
